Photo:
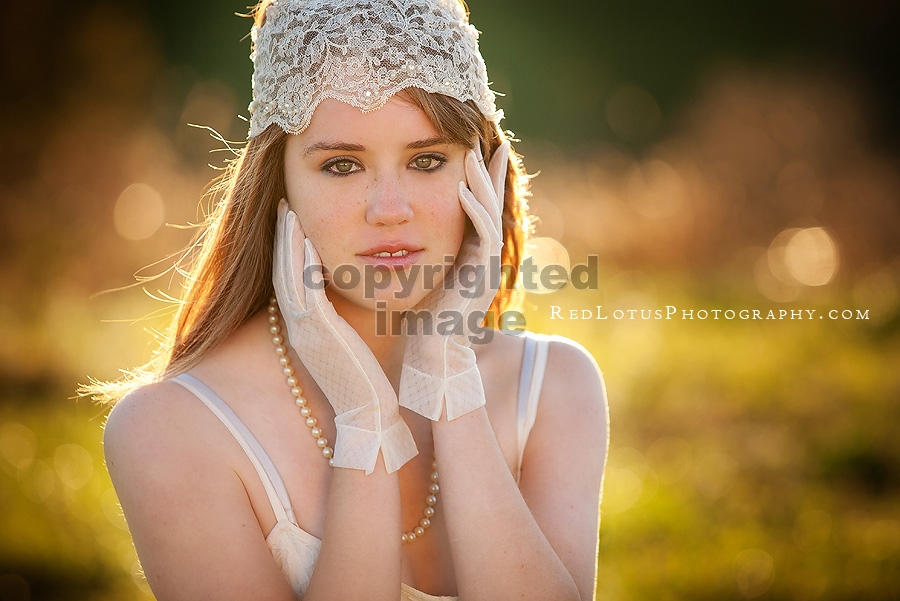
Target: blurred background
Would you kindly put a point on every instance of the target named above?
(713, 155)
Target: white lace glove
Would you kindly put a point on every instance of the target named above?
(366, 409)
(439, 368)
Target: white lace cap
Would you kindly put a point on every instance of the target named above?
(361, 52)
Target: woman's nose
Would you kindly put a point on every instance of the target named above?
(387, 204)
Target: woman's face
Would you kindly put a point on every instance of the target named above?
(376, 194)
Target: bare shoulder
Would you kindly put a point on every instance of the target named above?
(572, 378)
(564, 461)
(572, 400)
(159, 418)
(161, 445)
(573, 393)
(174, 471)
(573, 382)
(154, 439)
(571, 430)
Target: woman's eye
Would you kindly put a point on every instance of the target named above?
(428, 162)
(342, 167)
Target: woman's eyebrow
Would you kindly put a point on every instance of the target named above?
(436, 140)
(347, 146)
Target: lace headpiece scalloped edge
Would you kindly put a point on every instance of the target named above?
(361, 52)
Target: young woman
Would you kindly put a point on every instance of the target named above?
(328, 419)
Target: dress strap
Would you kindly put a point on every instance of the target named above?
(271, 480)
(534, 363)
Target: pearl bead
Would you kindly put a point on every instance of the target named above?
(277, 340)
(327, 452)
(305, 412)
(434, 466)
(434, 477)
(274, 330)
(316, 432)
(429, 512)
(404, 538)
(292, 381)
(300, 401)
(288, 370)
(419, 531)
(425, 523)
(321, 442)
(273, 319)
(411, 536)
(434, 489)
(296, 392)
(430, 500)
(279, 350)
(310, 422)
(273, 309)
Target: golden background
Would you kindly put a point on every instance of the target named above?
(712, 156)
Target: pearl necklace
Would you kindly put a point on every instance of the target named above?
(318, 434)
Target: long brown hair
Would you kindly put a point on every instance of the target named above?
(229, 269)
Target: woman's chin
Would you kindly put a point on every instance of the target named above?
(379, 301)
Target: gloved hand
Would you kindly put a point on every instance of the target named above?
(439, 369)
(366, 408)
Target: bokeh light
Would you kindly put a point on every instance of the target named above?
(551, 262)
(765, 271)
(796, 257)
(655, 189)
(139, 212)
(754, 571)
(73, 464)
(17, 446)
(811, 256)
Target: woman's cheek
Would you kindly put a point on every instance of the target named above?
(443, 195)
(318, 226)
(453, 217)
(329, 237)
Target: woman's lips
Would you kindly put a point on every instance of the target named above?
(394, 256)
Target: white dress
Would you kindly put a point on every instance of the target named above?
(296, 550)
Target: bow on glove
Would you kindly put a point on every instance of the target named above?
(439, 367)
(366, 409)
